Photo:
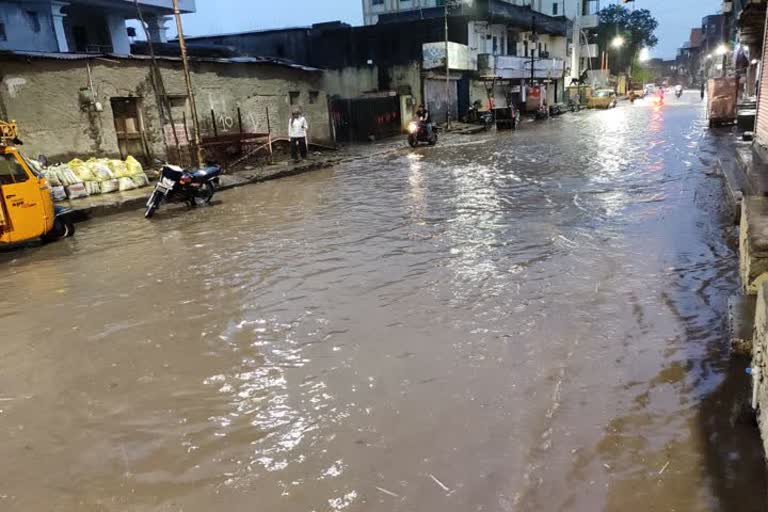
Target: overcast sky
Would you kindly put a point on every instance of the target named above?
(676, 17)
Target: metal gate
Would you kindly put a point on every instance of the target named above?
(434, 93)
(365, 119)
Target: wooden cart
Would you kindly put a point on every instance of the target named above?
(721, 101)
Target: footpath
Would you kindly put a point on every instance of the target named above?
(244, 174)
(109, 204)
(744, 167)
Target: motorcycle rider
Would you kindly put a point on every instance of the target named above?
(425, 117)
(678, 90)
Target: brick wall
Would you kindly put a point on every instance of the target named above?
(43, 96)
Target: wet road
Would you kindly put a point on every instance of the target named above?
(532, 322)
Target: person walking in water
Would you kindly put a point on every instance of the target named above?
(702, 90)
(297, 132)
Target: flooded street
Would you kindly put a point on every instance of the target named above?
(534, 321)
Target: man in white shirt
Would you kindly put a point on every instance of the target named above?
(297, 132)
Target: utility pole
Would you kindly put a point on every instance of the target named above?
(534, 40)
(198, 149)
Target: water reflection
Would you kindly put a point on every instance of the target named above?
(523, 322)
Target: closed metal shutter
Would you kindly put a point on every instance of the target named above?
(761, 127)
(434, 94)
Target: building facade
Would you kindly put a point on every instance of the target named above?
(373, 9)
(492, 43)
(107, 107)
(80, 26)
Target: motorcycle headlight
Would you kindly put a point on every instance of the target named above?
(413, 128)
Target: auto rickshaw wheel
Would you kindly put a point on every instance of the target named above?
(61, 229)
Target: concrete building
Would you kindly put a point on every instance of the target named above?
(81, 105)
(689, 59)
(79, 26)
(373, 9)
(490, 42)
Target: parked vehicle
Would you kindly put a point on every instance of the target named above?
(507, 117)
(557, 109)
(26, 206)
(603, 98)
(542, 112)
(574, 106)
(418, 133)
(180, 186)
(482, 117)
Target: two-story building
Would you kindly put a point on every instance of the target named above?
(80, 26)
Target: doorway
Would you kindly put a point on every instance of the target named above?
(129, 128)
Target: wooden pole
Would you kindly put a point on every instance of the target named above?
(188, 79)
(269, 137)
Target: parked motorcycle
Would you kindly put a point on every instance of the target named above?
(179, 186)
(542, 112)
(556, 110)
(417, 132)
(477, 116)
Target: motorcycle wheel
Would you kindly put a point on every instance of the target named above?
(412, 141)
(205, 195)
(154, 204)
(433, 140)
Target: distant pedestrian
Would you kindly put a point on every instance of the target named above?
(297, 132)
(702, 91)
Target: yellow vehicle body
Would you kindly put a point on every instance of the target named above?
(26, 206)
(602, 98)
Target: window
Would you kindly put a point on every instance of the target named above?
(3, 37)
(11, 171)
(377, 2)
(294, 97)
(34, 21)
(313, 97)
(554, 9)
(495, 45)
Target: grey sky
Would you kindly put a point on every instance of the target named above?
(676, 17)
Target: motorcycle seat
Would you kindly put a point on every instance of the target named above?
(207, 172)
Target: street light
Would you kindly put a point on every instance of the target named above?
(617, 42)
(721, 50)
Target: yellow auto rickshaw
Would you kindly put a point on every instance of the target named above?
(602, 98)
(26, 206)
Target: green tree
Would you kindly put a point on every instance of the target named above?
(637, 29)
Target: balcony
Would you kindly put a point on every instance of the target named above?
(511, 67)
(459, 57)
(589, 21)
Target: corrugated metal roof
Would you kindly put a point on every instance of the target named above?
(112, 56)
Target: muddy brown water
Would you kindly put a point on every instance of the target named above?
(525, 322)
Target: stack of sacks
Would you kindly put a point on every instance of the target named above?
(78, 179)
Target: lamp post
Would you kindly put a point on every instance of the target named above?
(616, 43)
(722, 51)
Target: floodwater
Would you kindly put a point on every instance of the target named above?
(534, 321)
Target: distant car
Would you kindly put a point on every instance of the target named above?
(650, 89)
(602, 98)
